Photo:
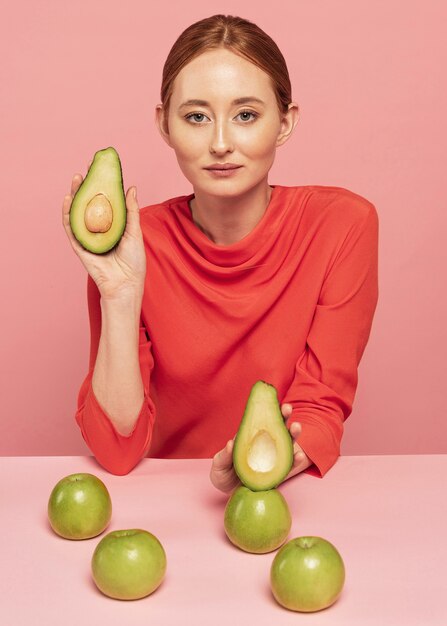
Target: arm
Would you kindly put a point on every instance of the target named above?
(117, 366)
(321, 394)
(325, 380)
(115, 413)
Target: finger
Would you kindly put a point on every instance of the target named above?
(224, 458)
(286, 409)
(76, 183)
(295, 429)
(66, 206)
(229, 446)
(299, 458)
(133, 213)
(226, 482)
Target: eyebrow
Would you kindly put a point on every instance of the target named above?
(204, 103)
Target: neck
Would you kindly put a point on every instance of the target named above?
(228, 220)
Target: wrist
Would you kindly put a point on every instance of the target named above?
(122, 309)
(124, 298)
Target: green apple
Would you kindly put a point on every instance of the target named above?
(257, 521)
(307, 574)
(128, 564)
(79, 506)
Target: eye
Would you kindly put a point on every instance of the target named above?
(199, 118)
(194, 115)
(255, 115)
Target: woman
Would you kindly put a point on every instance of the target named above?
(209, 292)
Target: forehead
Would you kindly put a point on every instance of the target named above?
(221, 74)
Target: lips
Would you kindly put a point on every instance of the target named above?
(224, 166)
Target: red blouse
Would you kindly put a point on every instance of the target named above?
(292, 304)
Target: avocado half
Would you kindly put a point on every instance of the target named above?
(263, 447)
(98, 210)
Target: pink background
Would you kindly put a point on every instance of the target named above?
(369, 79)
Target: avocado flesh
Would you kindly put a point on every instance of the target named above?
(263, 447)
(100, 202)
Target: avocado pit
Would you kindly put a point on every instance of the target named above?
(98, 214)
(262, 453)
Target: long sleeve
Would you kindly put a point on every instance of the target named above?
(325, 379)
(117, 453)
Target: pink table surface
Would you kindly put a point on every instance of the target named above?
(387, 516)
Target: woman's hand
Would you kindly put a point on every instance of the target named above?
(300, 459)
(222, 473)
(122, 270)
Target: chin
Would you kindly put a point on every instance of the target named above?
(226, 188)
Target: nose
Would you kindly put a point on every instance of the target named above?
(221, 140)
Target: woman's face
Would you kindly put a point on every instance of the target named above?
(219, 130)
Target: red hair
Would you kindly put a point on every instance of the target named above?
(233, 33)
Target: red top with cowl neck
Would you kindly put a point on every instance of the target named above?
(292, 304)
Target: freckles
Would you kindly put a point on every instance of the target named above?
(261, 148)
(193, 151)
(260, 142)
(189, 145)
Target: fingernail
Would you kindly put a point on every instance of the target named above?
(134, 193)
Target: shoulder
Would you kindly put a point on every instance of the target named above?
(331, 217)
(339, 204)
(334, 211)
(160, 213)
(160, 208)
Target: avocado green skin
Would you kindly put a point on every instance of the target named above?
(128, 564)
(307, 574)
(257, 521)
(260, 481)
(102, 242)
(79, 506)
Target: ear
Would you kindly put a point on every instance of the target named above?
(288, 122)
(162, 123)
